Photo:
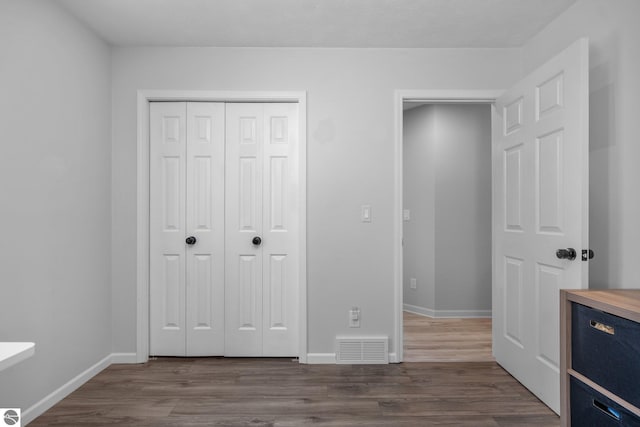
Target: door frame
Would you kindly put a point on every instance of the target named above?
(453, 96)
(143, 197)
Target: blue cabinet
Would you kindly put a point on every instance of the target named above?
(600, 358)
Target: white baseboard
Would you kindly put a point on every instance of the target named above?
(418, 310)
(393, 358)
(321, 358)
(446, 313)
(117, 358)
(463, 313)
(66, 389)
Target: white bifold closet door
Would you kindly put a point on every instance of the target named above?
(187, 201)
(262, 188)
(223, 175)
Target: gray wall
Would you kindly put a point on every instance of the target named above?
(55, 172)
(447, 177)
(350, 159)
(419, 194)
(614, 158)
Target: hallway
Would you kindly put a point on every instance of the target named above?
(428, 339)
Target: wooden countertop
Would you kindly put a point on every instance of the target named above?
(620, 302)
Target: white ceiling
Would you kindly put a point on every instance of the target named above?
(317, 23)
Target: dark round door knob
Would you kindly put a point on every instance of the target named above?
(256, 241)
(568, 253)
(190, 240)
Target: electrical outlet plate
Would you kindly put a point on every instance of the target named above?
(413, 283)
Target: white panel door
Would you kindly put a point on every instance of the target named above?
(540, 204)
(186, 201)
(261, 230)
(205, 222)
(168, 138)
(243, 207)
(280, 224)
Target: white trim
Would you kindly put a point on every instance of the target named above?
(469, 314)
(422, 311)
(449, 96)
(443, 314)
(321, 358)
(427, 96)
(123, 358)
(302, 243)
(223, 96)
(142, 262)
(63, 391)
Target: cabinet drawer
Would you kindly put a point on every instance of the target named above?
(592, 409)
(606, 349)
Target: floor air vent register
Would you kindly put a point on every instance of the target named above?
(362, 350)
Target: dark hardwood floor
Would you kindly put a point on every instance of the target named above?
(281, 392)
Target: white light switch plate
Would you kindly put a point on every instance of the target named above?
(365, 214)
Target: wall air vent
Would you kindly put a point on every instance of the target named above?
(358, 350)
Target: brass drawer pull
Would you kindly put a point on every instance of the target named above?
(602, 327)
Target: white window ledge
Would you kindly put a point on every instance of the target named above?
(14, 352)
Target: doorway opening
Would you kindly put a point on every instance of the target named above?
(443, 195)
(447, 232)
